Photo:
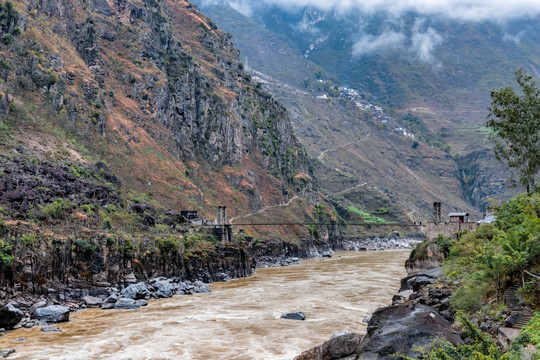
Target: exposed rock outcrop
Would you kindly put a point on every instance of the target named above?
(425, 256)
(340, 346)
(10, 316)
(399, 328)
(52, 314)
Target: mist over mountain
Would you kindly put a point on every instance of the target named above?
(471, 10)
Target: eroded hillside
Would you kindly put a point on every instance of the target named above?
(154, 90)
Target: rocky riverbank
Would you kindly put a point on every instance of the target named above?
(274, 257)
(418, 314)
(378, 243)
(29, 311)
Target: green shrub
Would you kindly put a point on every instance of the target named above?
(470, 296)
(88, 209)
(128, 245)
(7, 39)
(28, 239)
(79, 171)
(6, 253)
(3, 228)
(110, 240)
(481, 346)
(109, 208)
(84, 247)
(57, 210)
(167, 245)
(530, 334)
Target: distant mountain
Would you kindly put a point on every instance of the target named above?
(432, 74)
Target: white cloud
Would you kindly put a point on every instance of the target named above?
(514, 38)
(423, 43)
(242, 6)
(388, 40)
(469, 10)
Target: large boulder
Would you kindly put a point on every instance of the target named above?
(418, 281)
(136, 291)
(163, 289)
(338, 347)
(37, 305)
(10, 316)
(92, 301)
(52, 314)
(400, 328)
(201, 288)
(111, 299)
(126, 303)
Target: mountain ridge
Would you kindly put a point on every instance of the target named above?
(452, 121)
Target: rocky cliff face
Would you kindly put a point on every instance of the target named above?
(156, 90)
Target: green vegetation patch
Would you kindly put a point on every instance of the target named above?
(368, 218)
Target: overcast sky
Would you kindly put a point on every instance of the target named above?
(469, 10)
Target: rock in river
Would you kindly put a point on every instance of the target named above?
(6, 353)
(136, 291)
(294, 316)
(10, 316)
(126, 303)
(48, 329)
(52, 314)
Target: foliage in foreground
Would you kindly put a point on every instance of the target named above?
(515, 121)
(495, 256)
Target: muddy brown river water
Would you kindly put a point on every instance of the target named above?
(240, 319)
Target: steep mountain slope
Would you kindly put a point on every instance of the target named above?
(115, 117)
(438, 75)
(157, 92)
(365, 160)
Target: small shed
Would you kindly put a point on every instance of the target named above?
(459, 217)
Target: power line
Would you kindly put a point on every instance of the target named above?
(323, 224)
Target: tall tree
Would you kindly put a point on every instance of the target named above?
(515, 121)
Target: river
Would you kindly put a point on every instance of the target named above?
(240, 319)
